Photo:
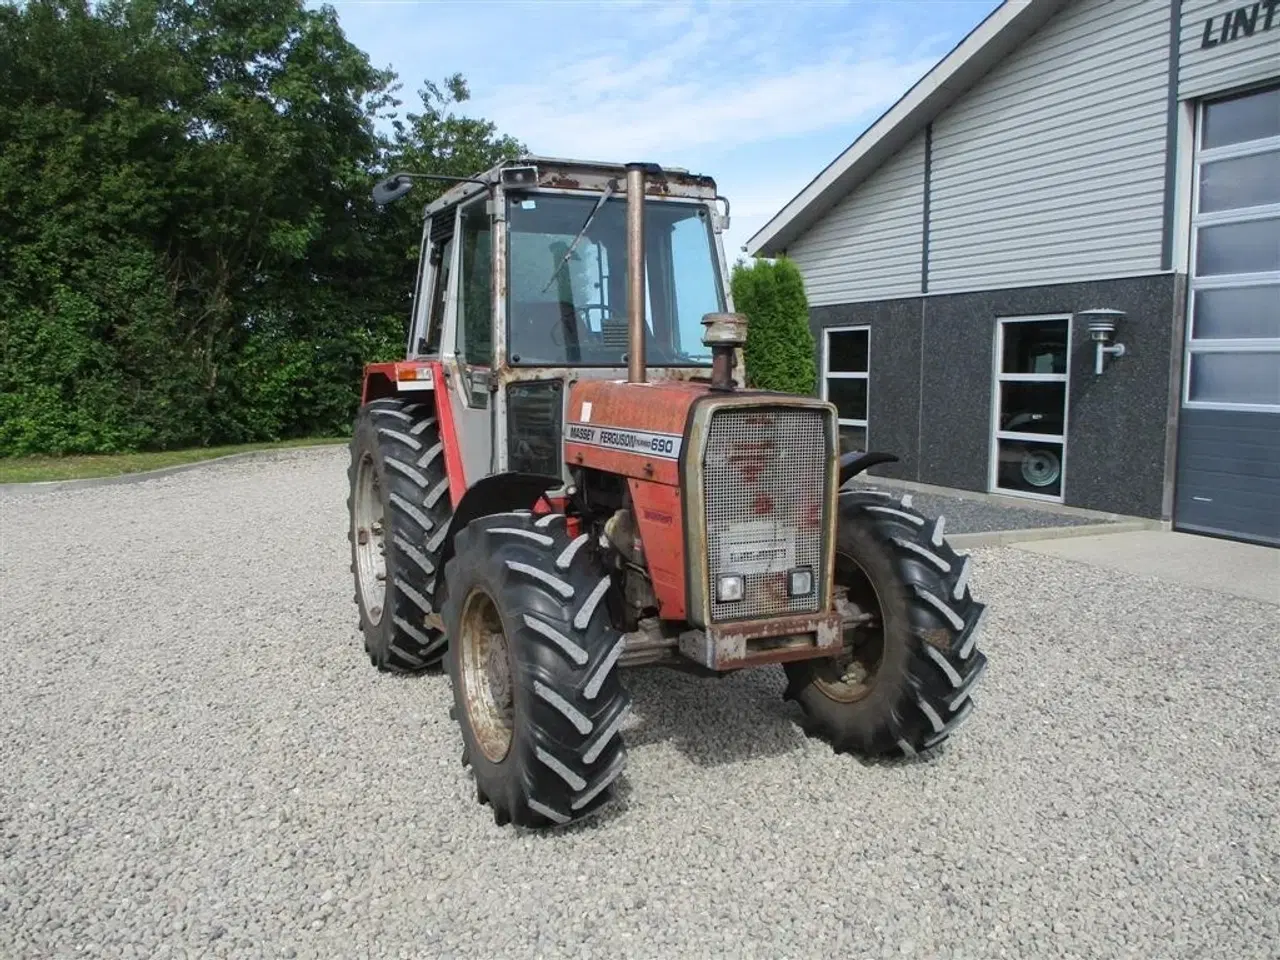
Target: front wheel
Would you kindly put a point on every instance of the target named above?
(904, 680)
(533, 657)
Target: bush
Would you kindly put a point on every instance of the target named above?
(779, 354)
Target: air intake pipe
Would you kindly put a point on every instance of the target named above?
(724, 334)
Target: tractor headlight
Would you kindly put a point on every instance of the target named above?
(730, 588)
(800, 582)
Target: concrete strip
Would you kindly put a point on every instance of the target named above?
(994, 499)
(999, 538)
(1227, 566)
(57, 486)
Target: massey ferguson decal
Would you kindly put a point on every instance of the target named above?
(665, 445)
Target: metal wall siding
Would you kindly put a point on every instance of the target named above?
(1235, 63)
(868, 246)
(1051, 169)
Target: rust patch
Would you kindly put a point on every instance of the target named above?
(732, 646)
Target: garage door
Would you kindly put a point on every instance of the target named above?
(1228, 479)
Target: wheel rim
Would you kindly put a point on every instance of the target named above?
(851, 676)
(370, 545)
(1040, 468)
(486, 676)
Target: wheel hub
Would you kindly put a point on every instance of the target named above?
(370, 542)
(498, 670)
(850, 676)
(487, 688)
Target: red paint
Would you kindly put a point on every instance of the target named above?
(750, 459)
(624, 464)
(448, 435)
(544, 505)
(383, 379)
(660, 408)
(812, 516)
(658, 516)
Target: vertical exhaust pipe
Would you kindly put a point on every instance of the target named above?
(635, 273)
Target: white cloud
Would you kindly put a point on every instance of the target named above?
(688, 94)
(759, 95)
(715, 88)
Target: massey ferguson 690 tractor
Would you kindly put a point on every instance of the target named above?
(566, 477)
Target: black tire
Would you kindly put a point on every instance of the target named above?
(566, 701)
(406, 455)
(925, 659)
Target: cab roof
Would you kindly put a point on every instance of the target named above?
(554, 173)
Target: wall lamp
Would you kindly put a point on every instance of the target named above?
(1102, 328)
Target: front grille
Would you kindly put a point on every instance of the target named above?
(765, 479)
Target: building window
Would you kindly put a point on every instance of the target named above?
(1029, 405)
(846, 364)
(1233, 327)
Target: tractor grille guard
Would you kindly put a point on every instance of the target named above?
(765, 472)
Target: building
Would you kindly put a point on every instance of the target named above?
(1068, 156)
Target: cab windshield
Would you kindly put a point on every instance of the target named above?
(577, 316)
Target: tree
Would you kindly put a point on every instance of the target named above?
(779, 354)
(188, 250)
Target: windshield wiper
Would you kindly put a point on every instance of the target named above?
(609, 189)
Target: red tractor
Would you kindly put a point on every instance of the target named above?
(566, 476)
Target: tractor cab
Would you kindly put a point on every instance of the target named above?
(522, 291)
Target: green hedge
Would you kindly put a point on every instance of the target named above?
(779, 354)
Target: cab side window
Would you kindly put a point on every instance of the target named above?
(475, 289)
(439, 291)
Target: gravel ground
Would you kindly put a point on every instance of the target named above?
(979, 516)
(198, 761)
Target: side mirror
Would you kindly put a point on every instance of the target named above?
(391, 189)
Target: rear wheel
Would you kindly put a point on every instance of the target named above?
(399, 513)
(904, 680)
(533, 657)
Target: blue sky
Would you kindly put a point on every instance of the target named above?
(759, 94)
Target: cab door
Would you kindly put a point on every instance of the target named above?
(468, 349)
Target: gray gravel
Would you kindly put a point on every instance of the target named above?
(198, 760)
(965, 515)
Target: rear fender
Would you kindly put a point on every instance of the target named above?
(399, 377)
(418, 380)
(498, 493)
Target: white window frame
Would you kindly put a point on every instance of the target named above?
(1193, 345)
(996, 434)
(827, 373)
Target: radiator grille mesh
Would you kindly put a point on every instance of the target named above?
(764, 479)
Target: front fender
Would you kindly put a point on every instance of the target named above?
(852, 464)
(493, 494)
